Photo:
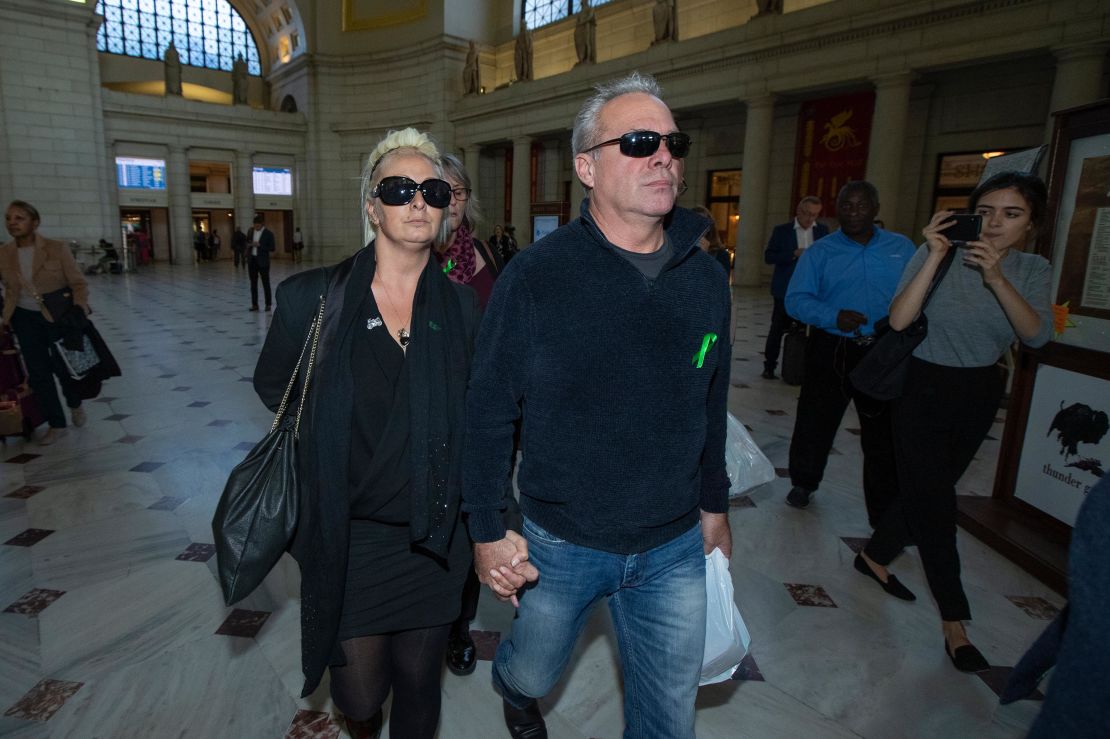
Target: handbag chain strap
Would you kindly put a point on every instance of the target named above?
(312, 338)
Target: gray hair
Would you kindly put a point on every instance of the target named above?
(586, 132)
(809, 200)
(405, 142)
(454, 169)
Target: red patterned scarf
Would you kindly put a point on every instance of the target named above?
(460, 255)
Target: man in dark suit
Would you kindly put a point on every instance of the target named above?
(787, 243)
(259, 246)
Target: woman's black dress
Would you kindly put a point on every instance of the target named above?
(391, 585)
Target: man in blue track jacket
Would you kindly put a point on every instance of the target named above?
(612, 335)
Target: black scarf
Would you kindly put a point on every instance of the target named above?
(437, 361)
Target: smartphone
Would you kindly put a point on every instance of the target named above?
(967, 227)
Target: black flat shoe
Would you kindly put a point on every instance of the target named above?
(525, 723)
(798, 497)
(369, 729)
(769, 375)
(891, 586)
(967, 658)
(462, 655)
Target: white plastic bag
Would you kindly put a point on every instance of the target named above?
(726, 637)
(746, 465)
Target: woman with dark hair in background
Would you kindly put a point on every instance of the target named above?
(382, 554)
(31, 267)
(992, 295)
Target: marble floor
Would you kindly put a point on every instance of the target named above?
(113, 624)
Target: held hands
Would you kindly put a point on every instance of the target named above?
(849, 320)
(504, 566)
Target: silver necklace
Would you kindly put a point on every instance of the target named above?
(403, 336)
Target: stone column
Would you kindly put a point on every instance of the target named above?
(751, 235)
(181, 211)
(1078, 78)
(244, 189)
(887, 148)
(472, 157)
(550, 171)
(522, 189)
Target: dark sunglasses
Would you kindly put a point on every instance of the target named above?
(641, 144)
(401, 191)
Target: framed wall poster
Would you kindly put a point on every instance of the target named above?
(1080, 244)
(1066, 449)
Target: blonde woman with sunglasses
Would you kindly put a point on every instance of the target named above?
(382, 556)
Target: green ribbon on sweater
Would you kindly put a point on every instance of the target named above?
(707, 343)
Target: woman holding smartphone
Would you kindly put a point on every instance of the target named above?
(993, 294)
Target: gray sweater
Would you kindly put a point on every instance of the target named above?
(967, 326)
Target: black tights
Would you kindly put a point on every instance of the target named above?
(408, 663)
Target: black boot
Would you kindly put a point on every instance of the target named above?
(462, 655)
(525, 723)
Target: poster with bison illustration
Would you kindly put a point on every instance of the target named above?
(1067, 444)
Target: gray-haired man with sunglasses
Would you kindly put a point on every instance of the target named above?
(612, 334)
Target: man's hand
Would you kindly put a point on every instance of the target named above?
(850, 320)
(715, 533)
(504, 566)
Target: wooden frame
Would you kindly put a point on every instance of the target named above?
(1021, 531)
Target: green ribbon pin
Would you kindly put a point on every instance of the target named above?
(449, 266)
(707, 343)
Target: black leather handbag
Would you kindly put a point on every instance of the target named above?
(881, 373)
(256, 517)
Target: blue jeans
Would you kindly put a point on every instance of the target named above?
(657, 602)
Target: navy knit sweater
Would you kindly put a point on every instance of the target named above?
(623, 433)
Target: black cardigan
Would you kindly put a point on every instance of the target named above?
(321, 542)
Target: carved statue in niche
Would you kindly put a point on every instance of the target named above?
(239, 81)
(664, 17)
(472, 82)
(770, 7)
(585, 35)
(522, 54)
(172, 63)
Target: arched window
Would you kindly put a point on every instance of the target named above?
(206, 33)
(541, 12)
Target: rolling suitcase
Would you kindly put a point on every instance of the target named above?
(794, 357)
(19, 413)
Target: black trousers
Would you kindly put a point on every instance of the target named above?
(824, 398)
(35, 334)
(780, 322)
(939, 425)
(255, 272)
(237, 256)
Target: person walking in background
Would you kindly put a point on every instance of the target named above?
(382, 552)
(787, 242)
(31, 267)
(259, 247)
(841, 286)
(711, 242)
(238, 245)
(298, 246)
(467, 261)
(993, 294)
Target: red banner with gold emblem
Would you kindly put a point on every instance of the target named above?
(833, 136)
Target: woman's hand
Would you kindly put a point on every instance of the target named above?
(938, 242)
(987, 258)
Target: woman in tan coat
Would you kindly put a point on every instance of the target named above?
(30, 267)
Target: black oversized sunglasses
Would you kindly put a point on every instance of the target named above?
(401, 191)
(641, 144)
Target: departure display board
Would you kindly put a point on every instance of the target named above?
(273, 181)
(140, 174)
